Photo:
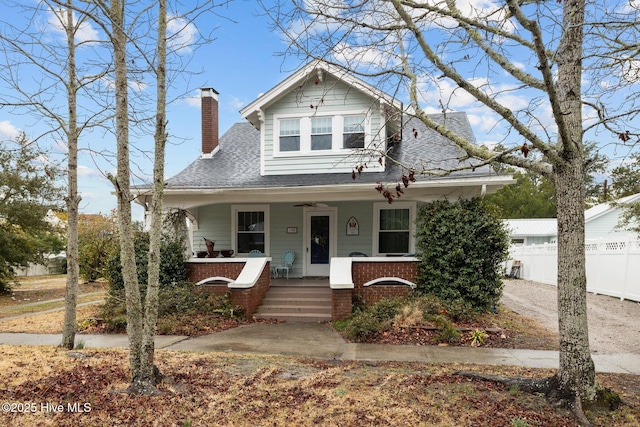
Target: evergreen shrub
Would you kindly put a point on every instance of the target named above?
(462, 247)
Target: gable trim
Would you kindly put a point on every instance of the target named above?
(251, 111)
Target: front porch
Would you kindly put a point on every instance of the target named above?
(249, 282)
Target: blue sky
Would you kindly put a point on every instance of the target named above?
(241, 63)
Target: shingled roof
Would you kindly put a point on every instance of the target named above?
(237, 164)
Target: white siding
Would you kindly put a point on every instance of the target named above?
(330, 97)
(363, 213)
(605, 226)
(214, 223)
(285, 215)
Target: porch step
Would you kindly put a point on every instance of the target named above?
(296, 304)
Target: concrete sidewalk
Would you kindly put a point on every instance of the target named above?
(321, 341)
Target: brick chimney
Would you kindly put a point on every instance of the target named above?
(209, 103)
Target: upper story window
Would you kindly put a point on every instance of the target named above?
(290, 135)
(321, 133)
(353, 132)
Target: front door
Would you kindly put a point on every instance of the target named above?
(320, 241)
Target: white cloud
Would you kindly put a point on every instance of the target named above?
(193, 100)
(631, 7)
(85, 171)
(8, 131)
(181, 34)
(135, 85)
(364, 56)
(236, 103)
(84, 33)
(483, 122)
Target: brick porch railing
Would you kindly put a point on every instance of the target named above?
(248, 279)
(358, 276)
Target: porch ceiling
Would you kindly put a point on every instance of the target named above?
(418, 191)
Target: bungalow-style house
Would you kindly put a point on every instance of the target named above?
(300, 174)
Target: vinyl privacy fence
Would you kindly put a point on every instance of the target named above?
(613, 265)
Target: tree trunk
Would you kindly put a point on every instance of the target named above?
(122, 186)
(73, 200)
(149, 375)
(576, 374)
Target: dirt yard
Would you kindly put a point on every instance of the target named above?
(49, 386)
(243, 390)
(44, 288)
(614, 325)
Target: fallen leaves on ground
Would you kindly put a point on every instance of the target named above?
(250, 390)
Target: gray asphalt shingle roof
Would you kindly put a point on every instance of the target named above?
(237, 163)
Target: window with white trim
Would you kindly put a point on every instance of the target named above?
(250, 228)
(290, 135)
(394, 230)
(353, 132)
(321, 133)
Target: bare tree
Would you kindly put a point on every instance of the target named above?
(433, 52)
(138, 51)
(24, 50)
(147, 376)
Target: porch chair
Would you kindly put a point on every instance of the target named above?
(287, 261)
(255, 253)
(358, 254)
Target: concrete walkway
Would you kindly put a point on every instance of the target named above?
(321, 341)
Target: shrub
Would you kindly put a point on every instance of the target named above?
(448, 333)
(430, 305)
(97, 242)
(357, 303)
(462, 247)
(175, 302)
(173, 269)
(409, 315)
(175, 295)
(364, 324)
(374, 319)
(387, 309)
(460, 311)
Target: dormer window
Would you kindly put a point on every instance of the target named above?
(321, 133)
(290, 135)
(353, 132)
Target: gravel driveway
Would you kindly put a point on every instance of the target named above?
(614, 325)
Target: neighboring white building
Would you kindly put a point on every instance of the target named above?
(600, 222)
(532, 231)
(54, 262)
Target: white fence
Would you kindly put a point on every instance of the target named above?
(613, 265)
